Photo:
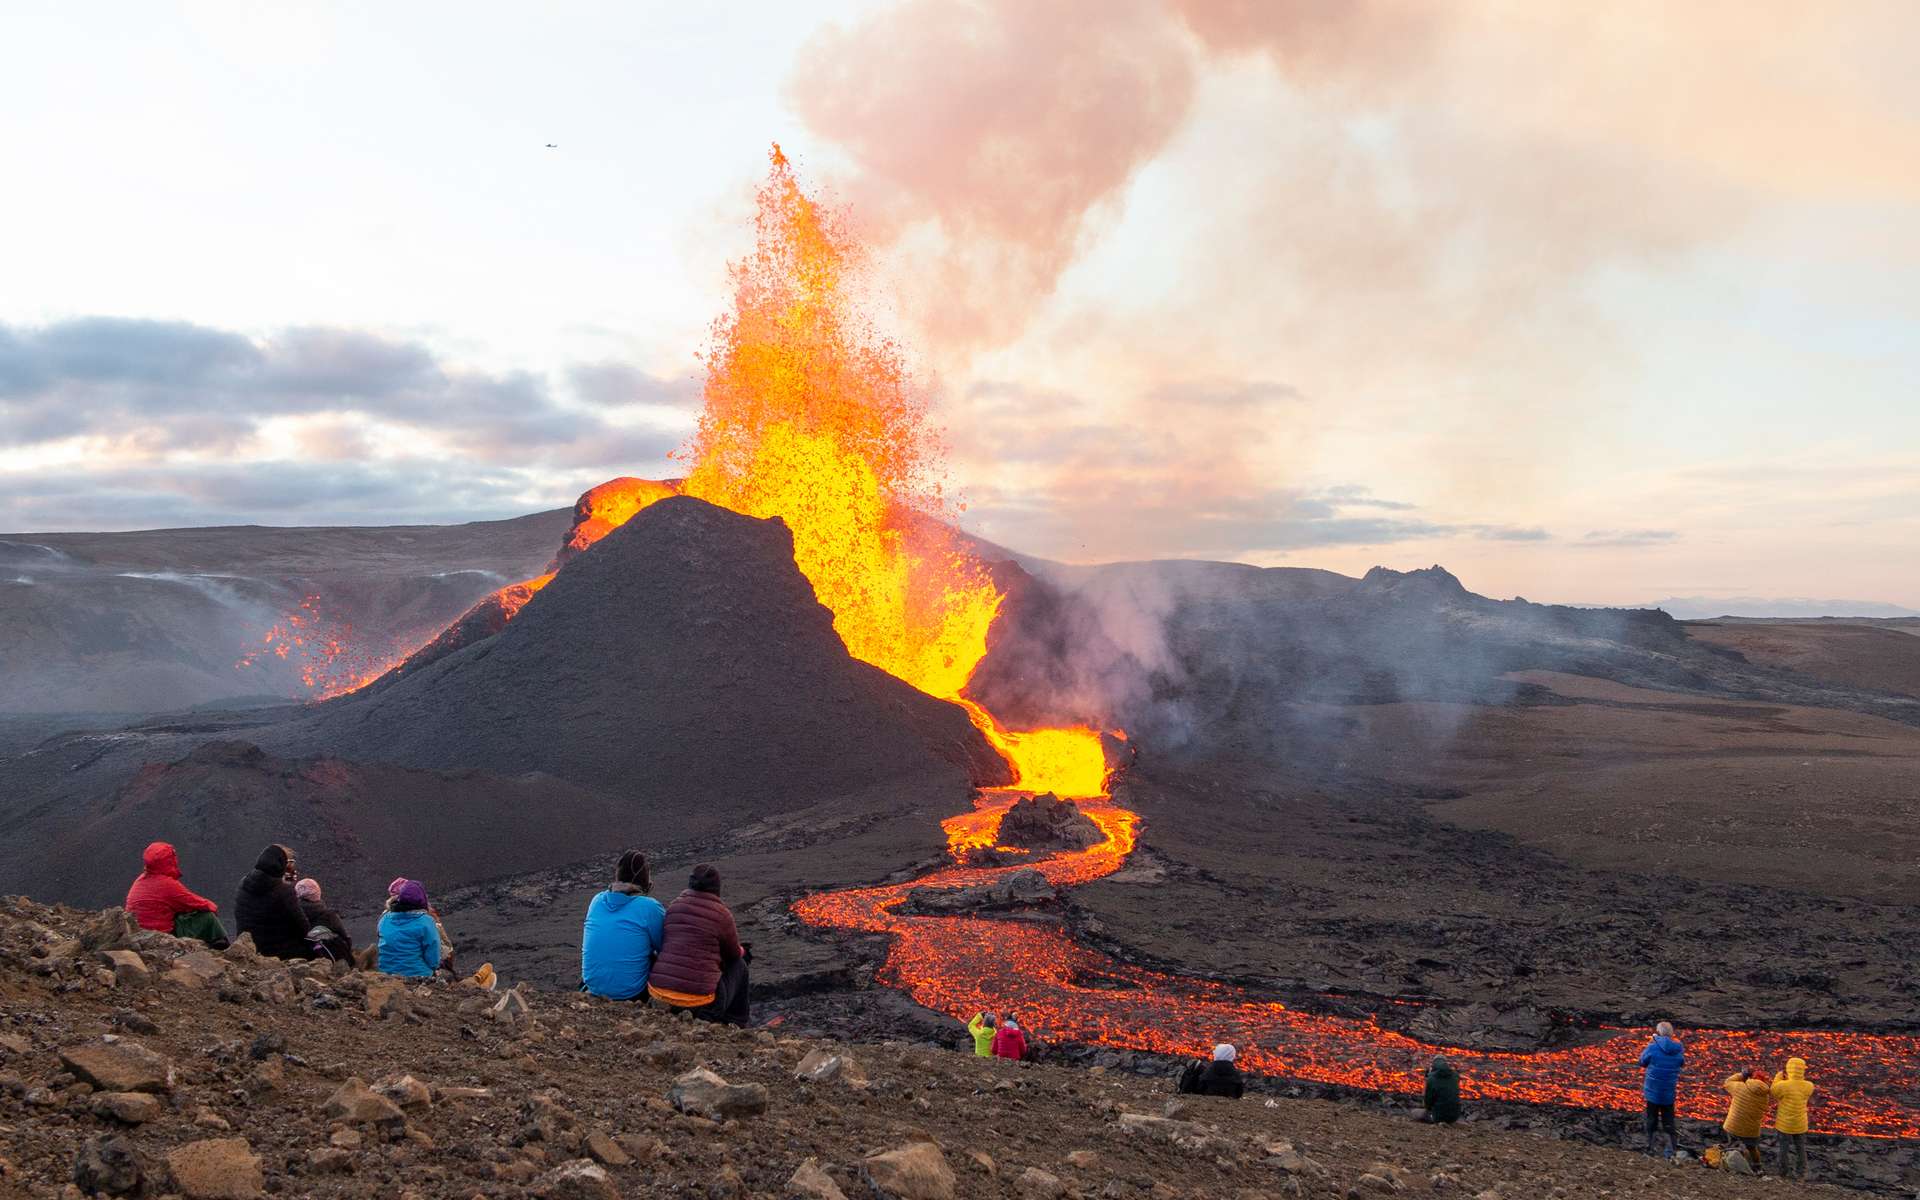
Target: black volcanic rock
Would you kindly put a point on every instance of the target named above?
(684, 660)
(1048, 822)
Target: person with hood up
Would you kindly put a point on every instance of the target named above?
(268, 908)
(409, 937)
(1222, 1077)
(1791, 1092)
(1008, 1041)
(160, 902)
(1662, 1059)
(982, 1028)
(702, 965)
(1442, 1096)
(622, 933)
(1746, 1112)
(326, 932)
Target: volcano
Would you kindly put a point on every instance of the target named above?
(685, 659)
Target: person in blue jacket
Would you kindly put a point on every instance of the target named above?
(1662, 1059)
(409, 941)
(622, 933)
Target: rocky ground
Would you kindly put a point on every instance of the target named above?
(132, 1064)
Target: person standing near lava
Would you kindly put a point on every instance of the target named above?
(703, 964)
(160, 902)
(1662, 1060)
(622, 933)
(1008, 1041)
(1442, 1096)
(269, 909)
(982, 1029)
(1746, 1112)
(1791, 1092)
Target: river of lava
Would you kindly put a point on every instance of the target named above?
(963, 965)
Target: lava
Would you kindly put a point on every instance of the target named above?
(320, 648)
(963, 965)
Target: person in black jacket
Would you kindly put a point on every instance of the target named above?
(1221, 1077)
(321, 919)
(268, 909)
(1442, 1097)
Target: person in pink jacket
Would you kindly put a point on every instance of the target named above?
(1008, 1041)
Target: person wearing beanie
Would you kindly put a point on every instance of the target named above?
(622, 933)
(326, 932)
(409, 936)
(267, 908)
(702, 965)
(1221, 1077)
(1009, 1041)
(1441, 1099)
(1790, 1093)
(160, 902)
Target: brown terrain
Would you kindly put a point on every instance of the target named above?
(134, 1064)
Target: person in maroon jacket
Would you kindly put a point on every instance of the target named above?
(702, 965)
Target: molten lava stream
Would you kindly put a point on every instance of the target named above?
(963, 965)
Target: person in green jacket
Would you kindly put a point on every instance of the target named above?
(1442, 1097)
(981, 1027)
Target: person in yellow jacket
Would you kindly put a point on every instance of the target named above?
(1744, 1115)
(982, 1028)
(1791, 1092)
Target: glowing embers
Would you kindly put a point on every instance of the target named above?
(321, 649)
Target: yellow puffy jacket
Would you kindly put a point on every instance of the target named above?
(1749, 1106)
(1791, 1092)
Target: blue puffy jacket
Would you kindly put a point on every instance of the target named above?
(409, 944)
(1663, 1059)
(618, 944)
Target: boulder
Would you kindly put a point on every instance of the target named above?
(114, 1065)
(1016, 888)
(217, 1169)
(576, 1180)
(1048, 822)
(604, 1150)
(406, 1091)
(824, 1066)
(108, 1164)
(356, 1104)
(388, 997)
(111, 929)
(915, 1172)
(1083, 1159)
(242, 949)
(701, 1093)
(130, 1108)
(329, 1160)
(809, 1182)
(512, 1008)
(129, 969)
(1042, 1184)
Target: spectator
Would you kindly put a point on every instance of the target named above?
(702, 965)
(160, 902)
(1008, 1041)
(982, 1028)
(1791, 1092)
(1442, 1097)
(326, 932)
(622, 934)
(1662, 1059)
(268, 909)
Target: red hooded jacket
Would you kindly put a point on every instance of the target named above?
(1009, 1042)
(158, 896)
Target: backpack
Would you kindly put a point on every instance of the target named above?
(1189, 1083)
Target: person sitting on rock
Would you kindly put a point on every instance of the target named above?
(1008, 1041)
(160, 902)
(622, 933)
(409, 936)
(1791, 1092)
(1663, 1059)
(982, 1028)
(702, 965)
(268, 909)
(326, 932)
(1745, 1113)
(1442, 1097)
(1222, 1077)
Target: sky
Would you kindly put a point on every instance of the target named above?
(1591, 304)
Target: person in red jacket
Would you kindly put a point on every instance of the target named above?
(160, 902)
(1008, 1041)
(702, 964)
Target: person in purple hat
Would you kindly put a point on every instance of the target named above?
(409, 939)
